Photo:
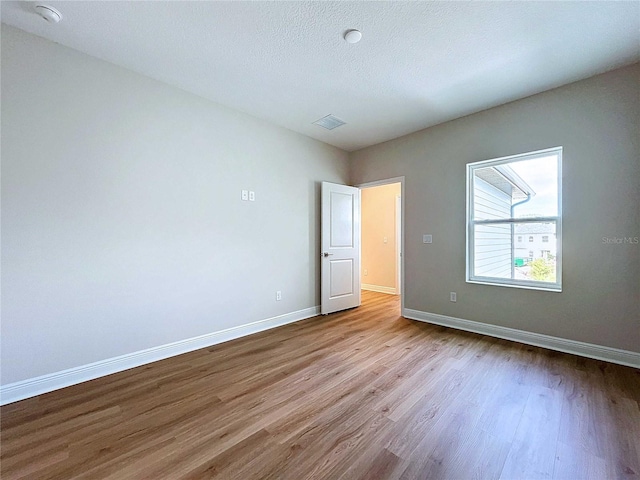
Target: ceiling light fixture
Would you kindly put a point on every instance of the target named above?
(353, 36)
(50, 14)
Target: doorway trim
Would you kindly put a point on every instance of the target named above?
(398, 234)
(388, 181)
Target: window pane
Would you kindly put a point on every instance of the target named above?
(497, 256)
(517, 189)
(541, 175)
(492, 250)
(493, 195)
(536, 261)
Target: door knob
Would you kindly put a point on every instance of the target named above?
(326, 254)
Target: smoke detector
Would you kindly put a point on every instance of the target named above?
(353, 36)
(49, 14)
(329, 122)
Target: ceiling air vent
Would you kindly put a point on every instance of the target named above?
(329, 122)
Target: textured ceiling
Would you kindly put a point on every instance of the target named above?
(418, 64)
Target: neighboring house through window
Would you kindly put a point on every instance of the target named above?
(515, 197)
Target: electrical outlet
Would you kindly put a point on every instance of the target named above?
(245, 195)
(278, 296)
(453, 296)
(366, 272)
(252, 196)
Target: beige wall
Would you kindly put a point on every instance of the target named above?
(597, 121)
(379, 222)
(123, 226)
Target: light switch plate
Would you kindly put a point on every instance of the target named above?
(245, 195)
(427, 239)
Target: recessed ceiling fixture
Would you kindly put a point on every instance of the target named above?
(353, 36)
(50, 14)
(329, 122)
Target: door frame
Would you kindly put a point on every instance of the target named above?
(398, 234)
(387, 181)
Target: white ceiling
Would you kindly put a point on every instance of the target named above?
(418, 64)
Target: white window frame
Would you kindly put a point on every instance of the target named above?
(506, 282)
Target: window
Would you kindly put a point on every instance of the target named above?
(515, 197)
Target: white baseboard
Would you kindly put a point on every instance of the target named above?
(378, 288)
(598, 352)
(31, 387)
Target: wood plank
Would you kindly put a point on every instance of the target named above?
(533, 450)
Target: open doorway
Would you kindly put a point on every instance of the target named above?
(381, 237)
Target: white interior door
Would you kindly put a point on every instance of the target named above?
(340, 271)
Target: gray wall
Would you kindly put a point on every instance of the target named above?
(122, 223)
(597, 121)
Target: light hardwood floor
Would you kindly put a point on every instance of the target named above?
(362, 394)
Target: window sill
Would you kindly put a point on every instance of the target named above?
(527, 286)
